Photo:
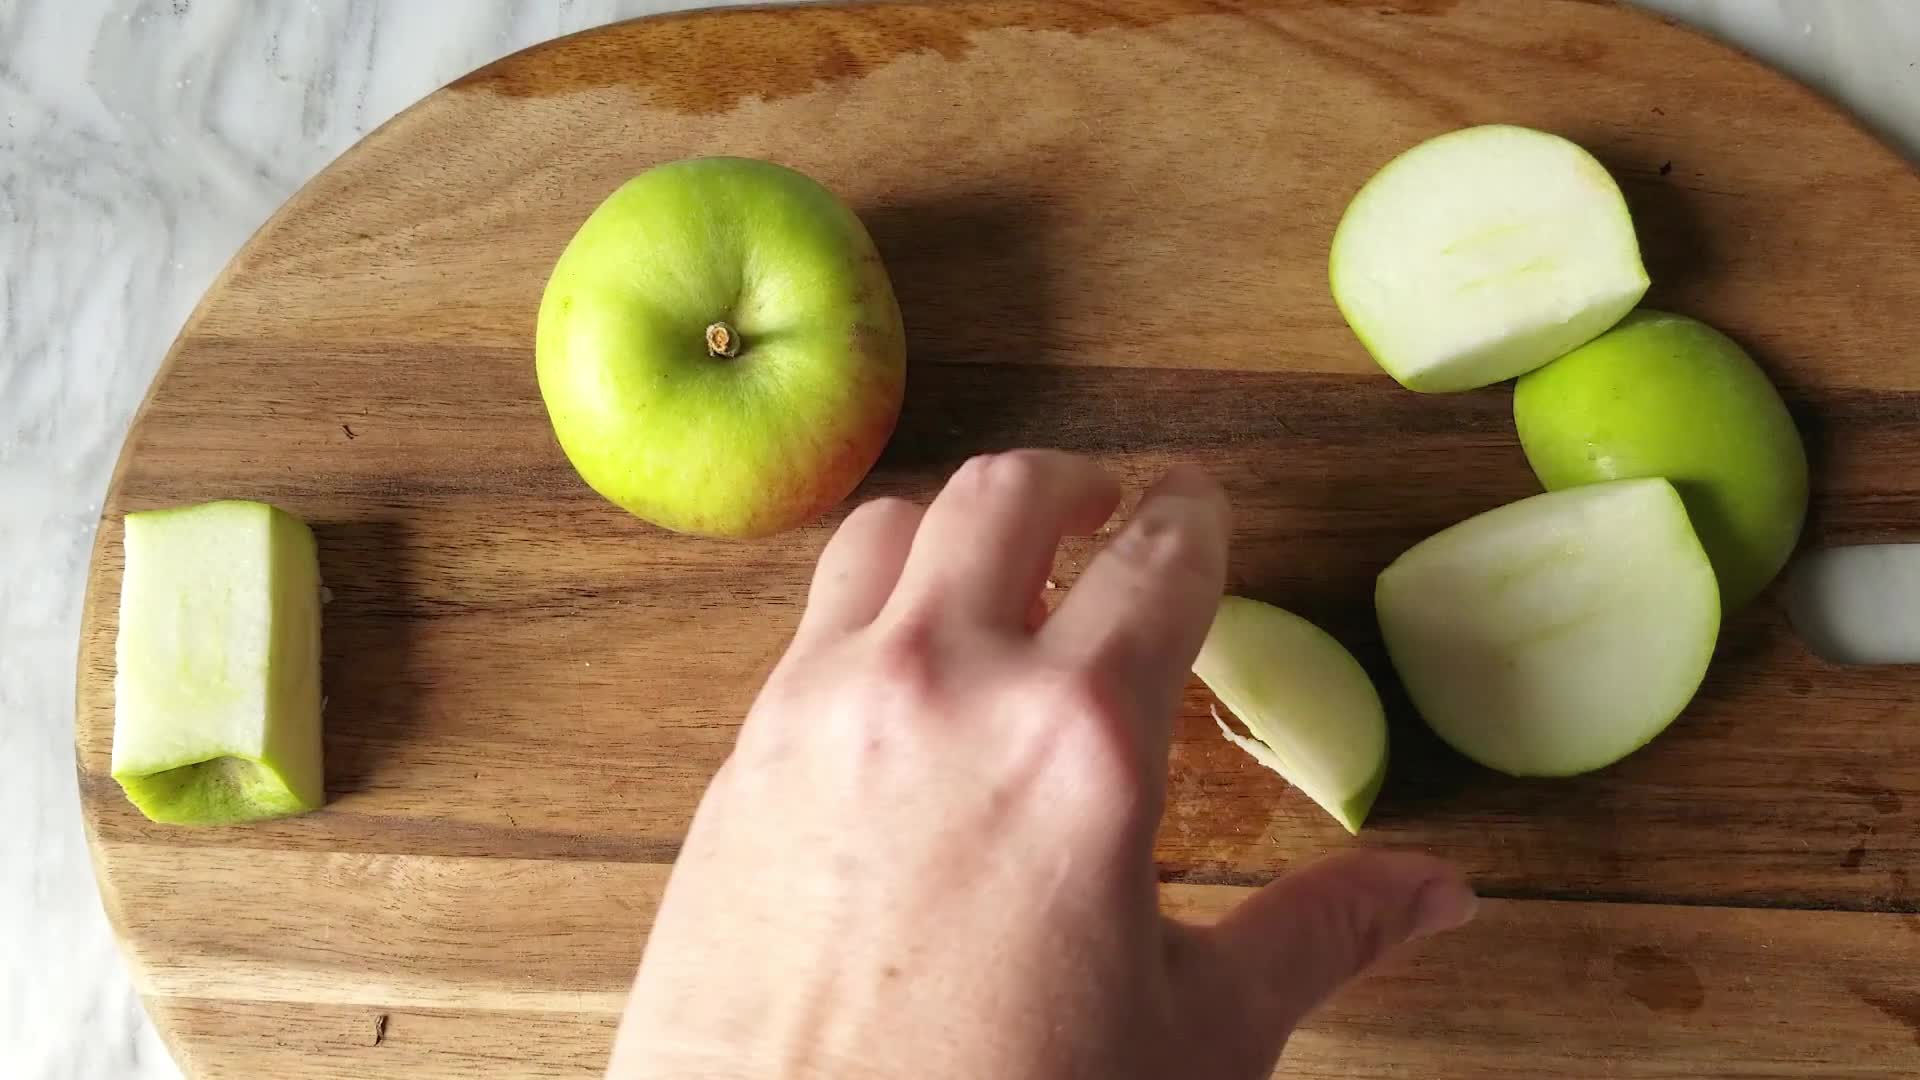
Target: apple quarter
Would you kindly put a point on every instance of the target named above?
(1557, 634)
(1482, 254)
(1665, 395)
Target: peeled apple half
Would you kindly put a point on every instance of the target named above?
(1310, 711)
(1482, 254)
(1556, 634)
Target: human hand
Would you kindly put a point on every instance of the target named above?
(930, 854)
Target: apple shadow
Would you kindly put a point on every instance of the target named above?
(1824, 419)
(1365, 498)
(366, 631)
(1817, 435)
(972, 277)
(1668, 204)
(1749, 635)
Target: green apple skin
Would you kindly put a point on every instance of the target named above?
(652, 417)
(217, 665)
(1665, 395)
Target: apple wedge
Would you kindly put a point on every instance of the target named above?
(1482, 254)
(1310, 711)
(1558, 634)
(217, 679)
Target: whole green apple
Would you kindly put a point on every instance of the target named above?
(1665, 395)
(719, 348)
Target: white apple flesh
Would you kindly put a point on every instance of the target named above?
(1310, 711)
(217, 665)
(1558, 634)
(1482, 254)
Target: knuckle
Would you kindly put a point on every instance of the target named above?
(972, 473)
(882, 510)
(1356, 935)
(1078, 694)
(1158, 545)
(1015, 471)
(905, 659)
(1091, 736)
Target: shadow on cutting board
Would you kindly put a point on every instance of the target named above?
(366, 631)
(971, 274)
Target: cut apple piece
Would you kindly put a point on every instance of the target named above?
(1557, 634)
(1311, 711)
(1482, 254)
(1665, 395)
(217, 680)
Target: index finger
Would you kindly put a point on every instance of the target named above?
(1142, 608)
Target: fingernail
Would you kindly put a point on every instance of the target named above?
(1443, 904)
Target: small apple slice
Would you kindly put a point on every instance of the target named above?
(217, 680)
(1557, 634)
(1482, 254)
(1311, 711)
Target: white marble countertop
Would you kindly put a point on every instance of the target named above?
(144, 140)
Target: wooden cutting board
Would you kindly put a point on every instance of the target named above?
(1108, 227)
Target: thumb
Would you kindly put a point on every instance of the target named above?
(1303, 936)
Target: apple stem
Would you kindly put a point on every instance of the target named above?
(723, 341)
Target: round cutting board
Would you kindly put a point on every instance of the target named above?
(1108, 228)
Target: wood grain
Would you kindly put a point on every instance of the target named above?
(1580, 990)
(1107, 225)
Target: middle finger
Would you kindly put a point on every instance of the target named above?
(988, 541)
